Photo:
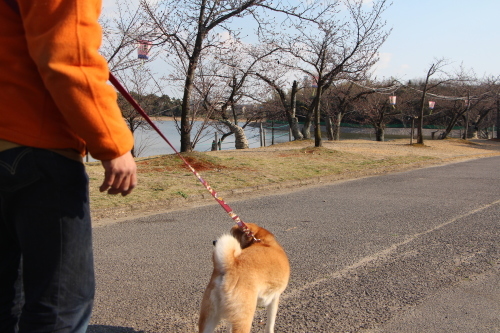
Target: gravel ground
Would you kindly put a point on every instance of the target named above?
(415, 251)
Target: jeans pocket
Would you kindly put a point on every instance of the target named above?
(17, 169)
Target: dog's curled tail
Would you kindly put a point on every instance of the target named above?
(227, 248)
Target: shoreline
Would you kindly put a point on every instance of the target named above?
(428, 132)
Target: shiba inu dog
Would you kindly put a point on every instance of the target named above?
(246, 273)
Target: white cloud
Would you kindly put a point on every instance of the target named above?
(384, 63)
(385, 60)
(368, 3)
(404, 67)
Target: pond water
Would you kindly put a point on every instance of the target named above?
(149, 143)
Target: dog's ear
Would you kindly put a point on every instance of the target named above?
(235, 232)
(243, 239)
(262, 233)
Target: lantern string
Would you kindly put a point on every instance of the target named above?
(391, 90)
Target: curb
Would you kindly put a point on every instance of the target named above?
(157, 207)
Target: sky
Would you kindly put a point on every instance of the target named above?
(465, 32)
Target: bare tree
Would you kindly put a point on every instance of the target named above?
(288, 102)
(192, 27)
(342, 99)
(225, 84)
(471, 104)
(339, 46)
(377, 111)
(122, 33)
(140, 82)
(428, 85)
(480, 119)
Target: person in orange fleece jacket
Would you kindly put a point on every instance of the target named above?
(55, 105)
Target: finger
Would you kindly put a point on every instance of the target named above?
(124, 184)
(132, 184)
(119, 185)
(108, 181)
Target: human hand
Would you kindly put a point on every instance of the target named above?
(120, 175)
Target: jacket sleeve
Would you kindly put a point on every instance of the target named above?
(63, 38)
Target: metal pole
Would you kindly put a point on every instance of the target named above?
(498, 117)
(272, 133)
(412, 130)
(260, 135)
(466, 135)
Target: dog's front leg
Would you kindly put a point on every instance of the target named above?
(210, 314)
(209, 323)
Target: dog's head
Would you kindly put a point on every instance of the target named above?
(245, 241)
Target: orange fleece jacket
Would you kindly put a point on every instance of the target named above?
(53, 82)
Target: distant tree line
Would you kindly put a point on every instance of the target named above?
(471, 105)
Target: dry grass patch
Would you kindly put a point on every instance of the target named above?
(166, 177)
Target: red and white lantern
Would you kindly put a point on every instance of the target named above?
(392, 100)
(143, 49)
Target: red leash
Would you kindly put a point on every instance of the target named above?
(138, 108)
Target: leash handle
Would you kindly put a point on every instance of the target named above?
(243, 227)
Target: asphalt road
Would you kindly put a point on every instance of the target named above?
(416, 251)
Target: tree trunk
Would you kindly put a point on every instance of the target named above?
(478, 124)
(450, 126)
(336, 126)
(473, 133)
(186, 125)
(420, 128)
(498, 118)
(241, 141)
(317, 120)
(294, 126)
(379, 133)
(186, 111)
(329, 128)
(420, 119)
(306, 128)
(292, 119)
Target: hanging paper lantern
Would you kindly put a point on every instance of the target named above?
(431, 105)
(143, 49)
(392, 100)
(314, 82)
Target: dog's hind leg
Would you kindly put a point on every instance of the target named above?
(272, 310)
(241, 312)
(242, 325)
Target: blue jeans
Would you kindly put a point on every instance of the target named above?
(46, 262)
